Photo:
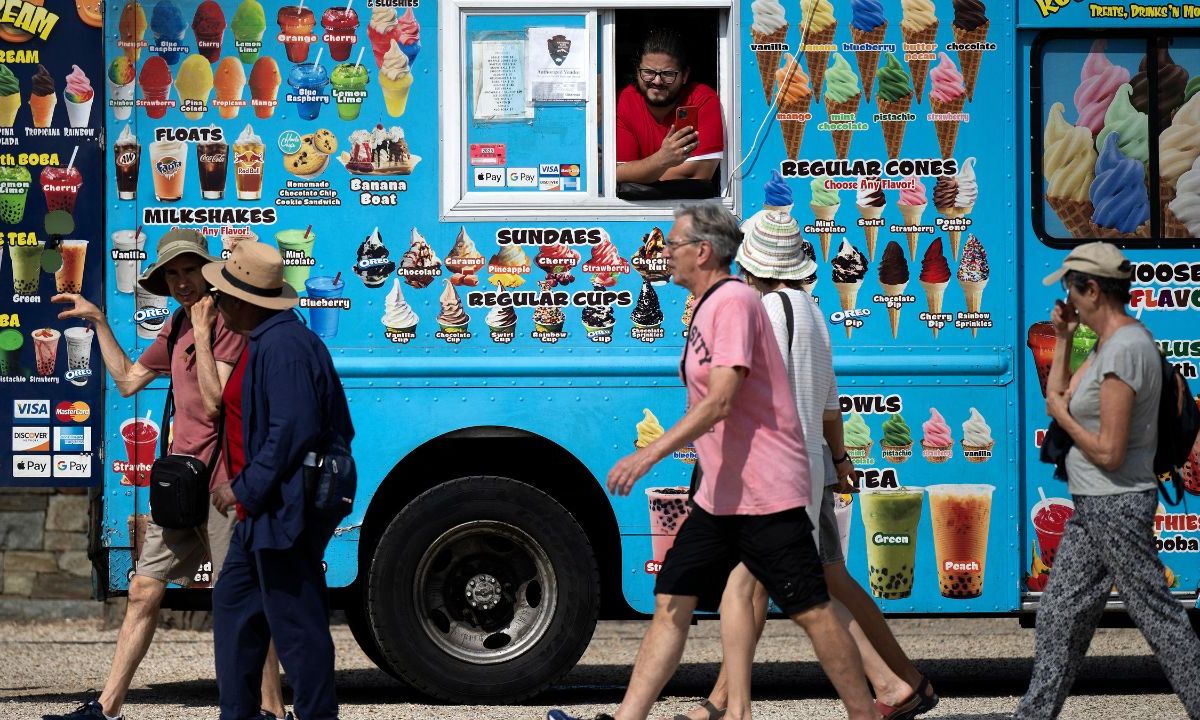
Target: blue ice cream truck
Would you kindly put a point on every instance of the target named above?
(442, 181)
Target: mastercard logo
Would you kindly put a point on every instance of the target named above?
(77, 411)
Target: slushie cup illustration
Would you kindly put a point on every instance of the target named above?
(309, 82)
(1041, 342)
(341, 25)
(960, 515)
(14, 189)
(296, 24)
(1081, 346)
(349, 89)
(1049, 519)
(296, 248)
(890, 519)
(668, 510)
(141, 447)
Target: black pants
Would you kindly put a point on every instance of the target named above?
(276, 594)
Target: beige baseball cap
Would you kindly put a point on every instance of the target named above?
(1099, 259)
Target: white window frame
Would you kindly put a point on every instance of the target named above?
(459, 204)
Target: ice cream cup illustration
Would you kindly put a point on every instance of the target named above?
(296, 246)
(26, 267)
(43, 99)
(78, 97)
(120, 97)
(10, 97)
(125, 243)
(79, 354)
(11, 342)
(1049, 518)
(896, 454)
(141, 447)
(890, 520)
(69, 278)
(668, 510)
(150, 312)
(598, 332)
(961, 516)
(45, 350)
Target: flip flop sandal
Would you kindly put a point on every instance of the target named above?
(713, 712)
(915, 704)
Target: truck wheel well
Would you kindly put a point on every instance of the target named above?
(506, 452)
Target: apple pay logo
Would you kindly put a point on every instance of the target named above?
(31, 466)
(522, 177)
(489, 177)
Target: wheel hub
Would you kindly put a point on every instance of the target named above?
(483, 592)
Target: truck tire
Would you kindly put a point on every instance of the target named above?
(483, 590)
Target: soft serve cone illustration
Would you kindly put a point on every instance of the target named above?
(794, 98)
(918, 25)
(849, 269)
(1068, 164)
(868, 26)
(893, 278)
(973, 275)
(824, 204)
(842, 98)
(946, 98)
(894, 98)
(769, 27)
(970, 29)
(817, 25)
(1178, 149)
(10, 96)
(870, 202)
(1120, 207)
(935, 276)
(1098, 82)
(912, 203)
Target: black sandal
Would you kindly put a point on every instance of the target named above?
(713, 712)
(918, 703)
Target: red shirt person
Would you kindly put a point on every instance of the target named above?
(649, 147)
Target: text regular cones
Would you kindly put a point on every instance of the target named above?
(894, 310)
(1076, 215)
(947, 130)
(893, 130)
(868, 61)
(848, 297)
(918, 67)
(768, 60)
(817, 58)
(969, 60)
(934, 293)
(841, 138)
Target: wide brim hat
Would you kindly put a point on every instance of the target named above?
(180, 241)
(772, 249)
(1098, 259)
(253, 273)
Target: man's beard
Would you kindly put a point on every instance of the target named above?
(672, 97)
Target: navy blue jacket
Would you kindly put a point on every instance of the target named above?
(290, 395)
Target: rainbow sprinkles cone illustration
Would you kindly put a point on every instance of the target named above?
(973, 274)
(768, 32)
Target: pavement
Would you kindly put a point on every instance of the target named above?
(979, 666)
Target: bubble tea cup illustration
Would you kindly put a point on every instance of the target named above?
(960, 515)
(668, 510)
(890, 518)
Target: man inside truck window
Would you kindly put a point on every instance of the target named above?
(200, 366)
(664, 152)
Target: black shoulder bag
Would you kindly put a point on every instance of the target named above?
(331, 479)
(179, 483)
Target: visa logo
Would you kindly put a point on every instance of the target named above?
(546, 169)
(31, 409)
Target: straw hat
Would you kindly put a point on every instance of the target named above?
(254, 273)
(180, 241)
(773, 249)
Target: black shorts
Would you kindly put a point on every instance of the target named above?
(778, 550)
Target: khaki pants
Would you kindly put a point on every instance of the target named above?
(176, 555)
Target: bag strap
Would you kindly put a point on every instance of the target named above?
(789, 316)
(169, 403)
(695, 314)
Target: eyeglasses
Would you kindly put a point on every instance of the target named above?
(667, 76)
(676, 244)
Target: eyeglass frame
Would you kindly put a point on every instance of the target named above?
(676, 244)
(659, 75)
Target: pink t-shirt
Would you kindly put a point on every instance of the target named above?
(754, 461)
(194, 433)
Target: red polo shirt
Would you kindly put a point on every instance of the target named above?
(640, 135)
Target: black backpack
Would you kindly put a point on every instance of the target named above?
(1178, 425)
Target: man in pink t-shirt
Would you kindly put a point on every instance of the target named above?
(753, 482)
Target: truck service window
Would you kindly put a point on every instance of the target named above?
(1117, 133)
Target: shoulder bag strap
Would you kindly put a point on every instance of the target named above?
(695, 314)
(169, 403)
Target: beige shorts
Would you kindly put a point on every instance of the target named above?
(177, 555)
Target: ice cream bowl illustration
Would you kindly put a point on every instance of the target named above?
(453, 329)
(504, 331)
(936, 454)
(896, 454)
(400, 332)
(597, 333)
(860, 454)
(977, 453)
(548, 327)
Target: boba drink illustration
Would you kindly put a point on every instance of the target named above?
(890, 519)
(11, 342)
(960, 515)
(79, 354)
(26, 267)
(668, 510)
(69, 278)
(45, 350)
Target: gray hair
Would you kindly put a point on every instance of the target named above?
(713, 224)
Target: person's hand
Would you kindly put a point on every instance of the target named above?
(204, 318)
(846, 476)
(628, 471)
(1065, 319)
(678, 145)
(223, 499)
(1058, 405)
(81, 308)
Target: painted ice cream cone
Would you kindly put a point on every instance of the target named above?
(1076, 215)
(43, 99)
(868, 61)
(770, 27)
(10, 97)
(825, 213)
(871, 232)
(815, 45)
(841, 138)
(848, 297)
(893, 278)
(849, 267)
(1068, 164)
(1120, 206)
(894, 312)
(955, 236)
(973, 275)
(1181, 218)
(794, 98)
(970, 59)
(918, 66)
(842, 97)
(934, 292)
(946, 98)
(894, 97)
(912, 217)
(825, 203)
(870, 202)
(935, 276)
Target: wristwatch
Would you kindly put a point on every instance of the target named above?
(838, 461)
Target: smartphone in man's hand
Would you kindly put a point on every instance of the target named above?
(685, 116)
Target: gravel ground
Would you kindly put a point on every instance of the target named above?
(979, 666)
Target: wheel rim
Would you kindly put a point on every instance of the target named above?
(485, 592)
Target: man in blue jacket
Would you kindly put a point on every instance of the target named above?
(273, 582)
